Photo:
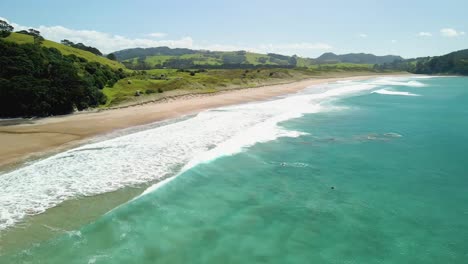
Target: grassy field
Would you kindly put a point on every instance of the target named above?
(201, 82)
(214, 58)
(151, 86)
(341, 67)
(65, 50)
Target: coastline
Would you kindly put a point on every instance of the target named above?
(42, 137)
(112, 123)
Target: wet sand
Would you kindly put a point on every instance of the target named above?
(36, 138)
(40, 137)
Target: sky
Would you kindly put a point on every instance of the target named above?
(410, 28)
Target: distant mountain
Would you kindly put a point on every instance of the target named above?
(142, 52)
(358, 58)
(165, 57)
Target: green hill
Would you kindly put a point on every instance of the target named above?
(65, 50)
(451, 63)
(164, 57)
(358, 58)
(50, 78)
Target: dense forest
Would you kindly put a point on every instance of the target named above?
(39, 81)
(452, 63)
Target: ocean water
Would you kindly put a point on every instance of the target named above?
(350, 172)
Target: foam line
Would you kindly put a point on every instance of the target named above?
(157, 152)
(388, 92)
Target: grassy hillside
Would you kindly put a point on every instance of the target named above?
(164, 57)
(41, 81)
(65, 50)
(156, 84)
(156, 76)
(454, 63)
(218, 58)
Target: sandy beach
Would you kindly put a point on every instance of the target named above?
(43, 137)
(48, 135)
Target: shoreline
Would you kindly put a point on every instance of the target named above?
(53, 222)
(47, 136)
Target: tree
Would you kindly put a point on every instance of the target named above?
(5, 29)
(111, 56)
(293, 60)
(66, 42)
(81, 46)
(38, 40)
(36, 34)
(39, 81)
(33, 32)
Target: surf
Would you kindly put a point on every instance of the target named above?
(389, 92)
(158, 152)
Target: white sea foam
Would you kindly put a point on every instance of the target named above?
(152, 154)
(389, 92)
(398, 81)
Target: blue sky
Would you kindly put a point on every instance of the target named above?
(306, 28)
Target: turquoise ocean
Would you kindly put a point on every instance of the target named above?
(372, 171)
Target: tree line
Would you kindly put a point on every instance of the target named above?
(39, 81)
(452, 63)
(81, 46)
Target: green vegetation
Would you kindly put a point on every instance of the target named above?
(81, 46)
(357, 58)
(5, 29)
(452, 63)
(342, 67)
(39, 77)
(156, 84)
(65, 50)
(164, 57)
(40, 81)
(111, 56)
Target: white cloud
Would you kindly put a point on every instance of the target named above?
(105, 42)
(293, 48)
(157, 35)
(425, 34)
(394, 41)
(362, 35)
(450, 32)
(109, 43)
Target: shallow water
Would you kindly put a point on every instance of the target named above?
(337, 174)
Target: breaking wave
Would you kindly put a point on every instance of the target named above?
(388, 92)
(157, 152)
